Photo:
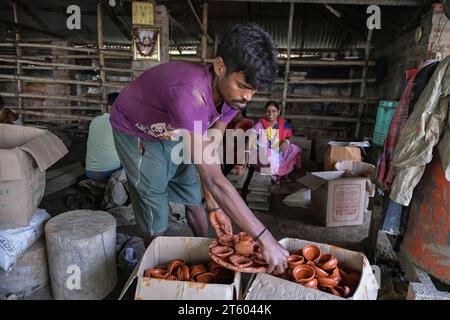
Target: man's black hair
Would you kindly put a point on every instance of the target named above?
(272, 103)
(112, 97)
(250, 49)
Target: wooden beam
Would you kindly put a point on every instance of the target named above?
(288, 61)
(197, 18)
(19, 55)
(363, 89)
(205, 33)
(115, 19)
(101, 53)
(412, 3)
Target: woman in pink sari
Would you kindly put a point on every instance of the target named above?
(273, 136)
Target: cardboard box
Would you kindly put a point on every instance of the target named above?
(192, 250)
(266, 287)
(337, 197)
(362, 169)
(25, 154)
(336, 153)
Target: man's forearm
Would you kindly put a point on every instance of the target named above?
(229, 200)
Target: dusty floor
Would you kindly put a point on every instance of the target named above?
(283, 221)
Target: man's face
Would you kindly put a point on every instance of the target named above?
(234, 89)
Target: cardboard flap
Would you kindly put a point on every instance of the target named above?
(46, 150)
(345, 153)
(10, 166)
(130, 280)
(312, 181)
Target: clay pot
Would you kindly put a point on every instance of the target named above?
(326, 262)
(173, 265)
(206, 277)
(196, 270)
(222, 251)
(327, 282)
(303, 273)
(319, 272)
(244, 247)
(156, 273)
(241, 261)
(311, 252)
(295, 260)
(311, 284)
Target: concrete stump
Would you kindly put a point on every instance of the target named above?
(81, 254)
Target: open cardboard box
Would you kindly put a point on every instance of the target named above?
(25, 154)
(338, 198)
(192, 250)
(266, 287)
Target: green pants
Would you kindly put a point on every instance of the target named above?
(154, 180)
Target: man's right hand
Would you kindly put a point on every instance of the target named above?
(273, 253)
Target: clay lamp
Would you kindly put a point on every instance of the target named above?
(173, 265)
(196, 270)
(206, 277)
(311, 284)
(241, 261)
(327, 282)
(258, 258)
(156, 273)
(319, 272)
(171, 278)
(222, 251)
(184, 273)
(227, 240)
(311, 252)
(302, 273)
(350, 279)
(244, 247)
(295, 260)
(326, 262)
(335, 275)
(298, 252)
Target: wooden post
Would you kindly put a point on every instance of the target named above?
(288, 60)
(363, 90)
(101, 53)
(216, 44)
(18, 65)
(205, 33)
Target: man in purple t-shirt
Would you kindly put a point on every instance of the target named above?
(177, 96)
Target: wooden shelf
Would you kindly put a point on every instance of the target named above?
(327, 63)
(316, 117)
(312, 99)
(326, 81)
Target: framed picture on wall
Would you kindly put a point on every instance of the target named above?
(146, 43)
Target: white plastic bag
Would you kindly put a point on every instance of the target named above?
(14, 242)
(301, 198)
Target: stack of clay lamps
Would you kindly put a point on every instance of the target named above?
(179, 270)
(238, 252)
(313, 269)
